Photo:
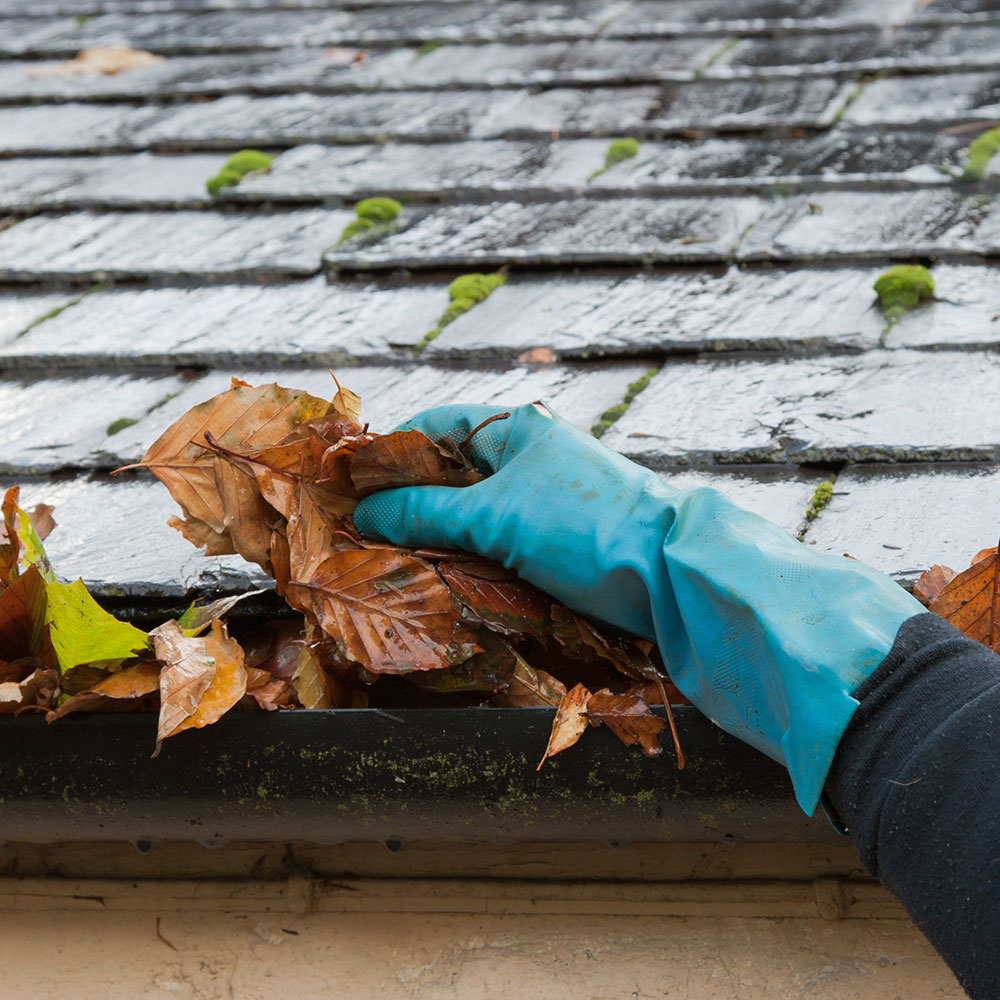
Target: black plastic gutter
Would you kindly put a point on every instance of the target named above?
(390, 776)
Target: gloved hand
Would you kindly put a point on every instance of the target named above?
(766, 637)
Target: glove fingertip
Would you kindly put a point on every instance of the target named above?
(380, 516)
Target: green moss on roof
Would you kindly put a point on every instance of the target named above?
(618, 150)
(370, 212)
(466, 291)
(237, 167)
(820, 498)
(981, 151)
(901, 288)
(616, 412)
(377, 209)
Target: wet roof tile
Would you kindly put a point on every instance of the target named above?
(789, 151)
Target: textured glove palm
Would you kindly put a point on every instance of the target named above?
(766, 637)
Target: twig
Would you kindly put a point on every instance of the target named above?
(475, 430)
(162, 938)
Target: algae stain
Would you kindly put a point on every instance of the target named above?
(116, 426)
(466, 291)
(238, 165)
(617, 151)
(616, 412)
(901, 289)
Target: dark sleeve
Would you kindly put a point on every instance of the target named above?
(916, 781)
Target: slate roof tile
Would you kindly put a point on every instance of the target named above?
(735, 253)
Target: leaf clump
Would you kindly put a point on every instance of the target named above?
(275, 473)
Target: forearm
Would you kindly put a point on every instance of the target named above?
(916, 780)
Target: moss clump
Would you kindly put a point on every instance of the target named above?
(237, 167)
(378, 209)
(428, 47)
(370, 212)
(901, 288)
(119, 425)
(618, 150)
(616, 412)
(820, 498)
(981, 151)
(465, 291)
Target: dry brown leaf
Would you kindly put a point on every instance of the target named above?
(241, 419)
(202, 677)
(41, 517)
(124, 686)
(391, 611)
(971, 601)
(932, 583)
(569, 723)
(406, 458)
(537, 356)
(106, 59)
(629, 718)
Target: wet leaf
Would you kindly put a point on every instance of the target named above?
(22, 615)
(507, 606)
(407, 458)
(202, 678)
(569, 723)
(314, 687)
(126, 687)
(392, 612)
(243, 418)
(629, 718)
(530, 686)
(971, 601)
(81, 631)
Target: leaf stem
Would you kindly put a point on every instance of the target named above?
(475, 430)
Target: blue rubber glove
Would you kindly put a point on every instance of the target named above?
(766, 637)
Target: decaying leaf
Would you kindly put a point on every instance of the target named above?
(971, 600)
(629, 718)
(407, 458)
(201, 679)
(37, 691)
(125, 686)
(508, 606)
(569, 723)
(392, 612)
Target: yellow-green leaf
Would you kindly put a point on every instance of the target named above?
(81, 630)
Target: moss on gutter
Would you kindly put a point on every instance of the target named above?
(466, 291)
(616, 412)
